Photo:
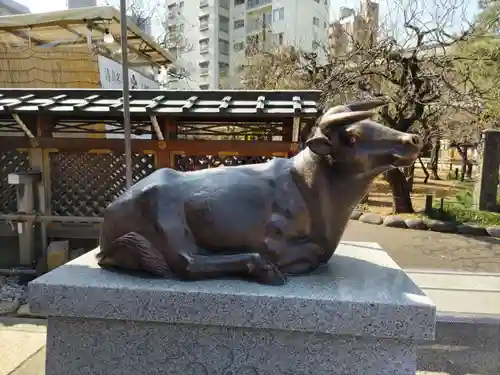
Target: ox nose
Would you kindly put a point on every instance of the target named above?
(412, 139)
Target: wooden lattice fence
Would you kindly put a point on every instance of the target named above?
(10, 162)
(83, 184)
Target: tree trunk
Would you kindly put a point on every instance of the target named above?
(409, 173)
(400, 191)
(436, 146)
(424, 169)
(463, 154)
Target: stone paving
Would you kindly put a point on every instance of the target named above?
(425, 249)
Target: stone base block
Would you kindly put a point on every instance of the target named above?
(360, 314)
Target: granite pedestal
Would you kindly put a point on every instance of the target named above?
(360, 314)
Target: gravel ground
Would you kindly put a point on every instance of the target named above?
(13, 294)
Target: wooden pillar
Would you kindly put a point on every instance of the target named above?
(25, 186)
(44, 126)
(40, 160)
(169, 129)
(288, 130)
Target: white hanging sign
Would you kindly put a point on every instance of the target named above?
(110, 74)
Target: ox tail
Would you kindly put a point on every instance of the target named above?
(133, 252)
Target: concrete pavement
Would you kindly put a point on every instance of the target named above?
(429, 250)
(22, 346)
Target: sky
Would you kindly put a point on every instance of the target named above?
(39, 6)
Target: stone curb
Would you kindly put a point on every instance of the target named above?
(395, 221)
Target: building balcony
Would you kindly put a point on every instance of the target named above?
(254, 4)
(204, 3)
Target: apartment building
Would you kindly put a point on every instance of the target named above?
(212, 39)
(354, 27)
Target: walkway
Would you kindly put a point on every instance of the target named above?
(425, 249)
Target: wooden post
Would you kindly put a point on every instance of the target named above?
(40, 160)
(428, 204)
(25, 183)
(169, 130)
(288, 130)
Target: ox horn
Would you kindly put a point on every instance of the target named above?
(343, 118)
(366, 105)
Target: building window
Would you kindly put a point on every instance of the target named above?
(317, 1)
(223, 47)
(279, 39)
(171, 11)
(181, 28)
(315, 21)
(204, 46)
(181, 4)
(239, 46)
(238, 24)
(204, 87)
(326, 2)
(279, 14)
(223, 68)
(325, 25)
(204, 22)
(268, 19)
(253, 39)
(224, 4)
(224, 24)
(239, 2)
(203, 67)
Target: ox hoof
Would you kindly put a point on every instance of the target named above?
(270, 275)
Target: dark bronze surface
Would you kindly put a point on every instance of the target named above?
(263, 221)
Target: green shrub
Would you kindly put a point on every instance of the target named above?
(458, 214)
(464, 198)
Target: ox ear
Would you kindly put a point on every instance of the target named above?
(342, 119)
(367, 105)
(320, 145)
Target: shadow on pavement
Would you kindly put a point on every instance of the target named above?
(462, 349)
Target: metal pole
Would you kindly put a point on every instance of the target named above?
(126, 93)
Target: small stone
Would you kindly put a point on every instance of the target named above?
(493, 231)
(416, 224)
(441, 226)
(471, 229)
(356, 214)
(9, 306)
(394, 221)
(371, 219)
(24, 310)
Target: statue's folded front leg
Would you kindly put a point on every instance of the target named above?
(295, 256)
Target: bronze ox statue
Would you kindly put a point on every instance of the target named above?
(263, 221)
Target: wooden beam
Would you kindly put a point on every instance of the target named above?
(188, 147)
(27, 38)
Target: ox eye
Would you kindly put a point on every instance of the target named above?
(350, 139)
